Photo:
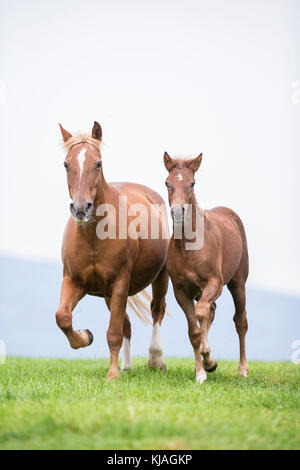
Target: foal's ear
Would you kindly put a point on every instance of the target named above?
(65, 134)
(97, 131)
(194, 163)
(168, 161)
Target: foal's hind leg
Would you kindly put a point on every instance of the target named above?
(69, 298)
(126, 355)
(238, 293)
(158, 307)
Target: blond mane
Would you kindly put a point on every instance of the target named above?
(81, 139)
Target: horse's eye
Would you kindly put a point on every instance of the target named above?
(98, 165)
(167, 184)
(193, 184)
(66, 166)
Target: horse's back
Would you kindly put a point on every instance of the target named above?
(153, 251)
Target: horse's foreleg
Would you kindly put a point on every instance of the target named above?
(187, 306)
(118, 303)
(69, 298)
(205, 310)
(158, 307)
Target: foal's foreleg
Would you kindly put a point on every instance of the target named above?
(187, 306)
(158, 307)
(205, 311)
(118, 303)
(69, 298)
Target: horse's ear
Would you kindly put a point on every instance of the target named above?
(168, 161)
(97, 131)
(65, 134)
(194, 163)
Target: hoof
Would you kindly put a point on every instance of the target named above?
(152, 364)
(85, 339)
(91, 337)
(212, 369)
(201, 377)
(112, 376)
(243, 370)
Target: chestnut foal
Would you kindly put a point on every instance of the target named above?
(199, 274)
(114, 267)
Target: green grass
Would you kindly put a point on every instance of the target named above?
(61, 404)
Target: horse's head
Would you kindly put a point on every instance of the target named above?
(84, 170)
(180, 184)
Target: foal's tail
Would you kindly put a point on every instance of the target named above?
(139, 307)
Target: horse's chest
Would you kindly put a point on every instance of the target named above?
(92, 276)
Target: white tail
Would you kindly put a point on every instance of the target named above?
(140, 308)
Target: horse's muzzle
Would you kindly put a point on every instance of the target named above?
(82, 213)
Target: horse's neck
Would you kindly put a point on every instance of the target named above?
(106, 194)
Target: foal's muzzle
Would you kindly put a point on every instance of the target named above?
(177, 213)
(82, 212)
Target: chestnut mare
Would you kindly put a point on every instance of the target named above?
(201, 273)
(110, 268)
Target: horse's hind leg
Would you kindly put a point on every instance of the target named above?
(158, 307)
(238, 292)
(69, 298)
(126, 355)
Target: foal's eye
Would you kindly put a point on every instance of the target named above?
(66, 166)
(193, 184)
(167, 184)
(98, 165)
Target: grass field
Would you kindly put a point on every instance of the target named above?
(62, 404)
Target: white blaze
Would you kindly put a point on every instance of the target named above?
(81, 159)
(179, 177)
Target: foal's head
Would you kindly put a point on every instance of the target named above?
(180, 184)
(83, 165)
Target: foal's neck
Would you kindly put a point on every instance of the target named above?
(196, 212)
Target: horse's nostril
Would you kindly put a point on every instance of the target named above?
(88, 207)
(73, 209)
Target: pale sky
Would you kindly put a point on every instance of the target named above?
(218, 77)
